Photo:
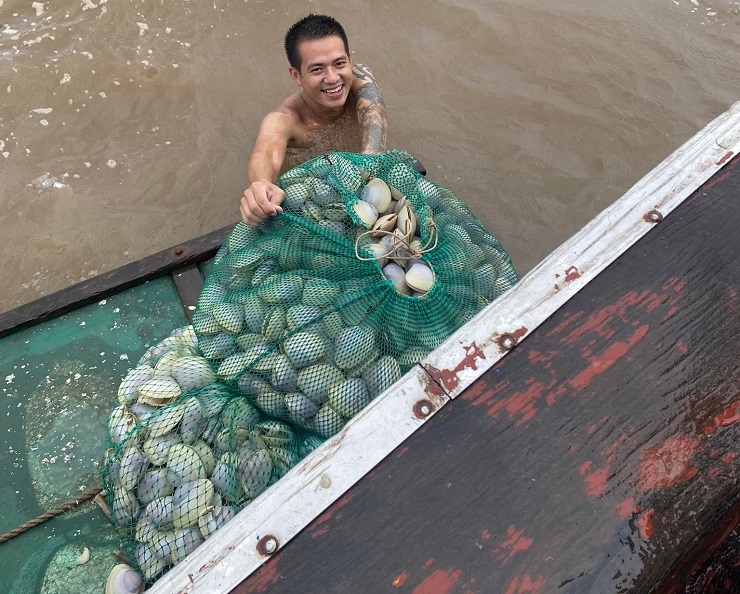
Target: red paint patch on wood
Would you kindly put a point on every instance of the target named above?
(450, 378)
(567, 320)
(429, 562)
(553, 396)
(725, 158)
(645, 524)
(401, 450)
(668, 463)
(439, 582)
(400, 580)
(515, 543)
(626, 508)
(525, 585)
(321, 523)
(596, 480)
(682, 348)
(615, 351)
(572, 274)
(485, 535)
(519, 404)
(264, 577)
(727, 417)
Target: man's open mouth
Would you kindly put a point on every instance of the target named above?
(333, 91)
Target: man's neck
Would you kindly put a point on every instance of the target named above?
(321, 114)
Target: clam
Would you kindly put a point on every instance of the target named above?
(192, 372)
(274, 434)
(146, 530)
(381, 375)
(234, 365)
(205, 453)
(240, 412)
(163, 543)
(186, 541)
(295, 195)
(349, 397)
(211, 429)
(229, 317)
(264, 270)
(160, 511)
(218, 346)
(317, 291)
(311, 211)
(332, 324)
(420, 276)
(184, 465)
(164, 420)
(125, 508)
(192, 420)
(157, 448)
(253, 385)
(127, 390)
(377, 193)
(402, 176)
(133, 465)
(225, 477)
(153, 353)
(255, 472)
(327, 421)
(150, 564)
(254, 312)
(316, 380)
(214, 518)
(124, 579)
(245, 258)
(301, 409)
(366, 212)
(301, 315)
(397, 276)
(333, 227)
(354, 345)
(249, 340)
(121, 425)
(384, 225)
(241, 234)
(378, 253)
(284, 376)
(333, 214)
(304, 349)
(407, 221)
(213, 398)
(274, 324)
(189, 500)
(272, 403)
(158, 391)
(163, 366)
(153, 485)
(283, 290)
(323, 193)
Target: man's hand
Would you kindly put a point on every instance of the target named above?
(260, 200)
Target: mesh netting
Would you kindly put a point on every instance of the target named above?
(369, 268)
(301, 323)
(187, 453)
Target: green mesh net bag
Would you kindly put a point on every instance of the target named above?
(368, 269)
(187, 452)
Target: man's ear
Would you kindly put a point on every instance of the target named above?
(295, 75)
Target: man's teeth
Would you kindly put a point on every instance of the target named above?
(335, 90)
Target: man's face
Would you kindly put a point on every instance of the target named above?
(326, 72)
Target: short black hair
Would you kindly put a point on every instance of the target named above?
(314, 26)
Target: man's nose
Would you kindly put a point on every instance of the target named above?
(332, 74)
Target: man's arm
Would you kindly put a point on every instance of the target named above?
(262, 198)
(370, 110)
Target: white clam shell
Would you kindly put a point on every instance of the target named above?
(397, 276)
(377, 193)
(384, 224)
(124, 579)
(367, 213)
(158, 391)
(131, 382)
(420, 277)
(189, 501)
(192, 372)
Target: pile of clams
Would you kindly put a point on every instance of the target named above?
(187, 454)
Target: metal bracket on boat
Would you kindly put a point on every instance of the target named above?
(653, 216)
(507, 342)
(422, 409)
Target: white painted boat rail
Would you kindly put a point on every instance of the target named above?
(279, 514)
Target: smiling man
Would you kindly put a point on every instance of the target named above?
(335, 96)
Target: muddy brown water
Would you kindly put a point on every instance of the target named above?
(125, 127)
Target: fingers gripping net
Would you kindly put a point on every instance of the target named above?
(369, 268)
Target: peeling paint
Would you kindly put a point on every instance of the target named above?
(626, 508)
(595, 480)
(400, 580)
(668, 463)
(515, 543)
(439, 582)
(525, 585)
(725, 158)
(449, 378)
(645, 524)
(572, 274)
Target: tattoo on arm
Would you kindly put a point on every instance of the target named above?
(370, 112)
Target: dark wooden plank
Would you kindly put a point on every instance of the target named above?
(189, 283)
(109, 283)
(599, 456)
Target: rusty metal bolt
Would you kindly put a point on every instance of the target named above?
(179, 251)
(507, 342)
(654, 216)
(422, 409)
(267, 545)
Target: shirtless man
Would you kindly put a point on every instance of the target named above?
(332, 90)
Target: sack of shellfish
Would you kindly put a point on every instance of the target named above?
(369, 267)
(187, 453)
